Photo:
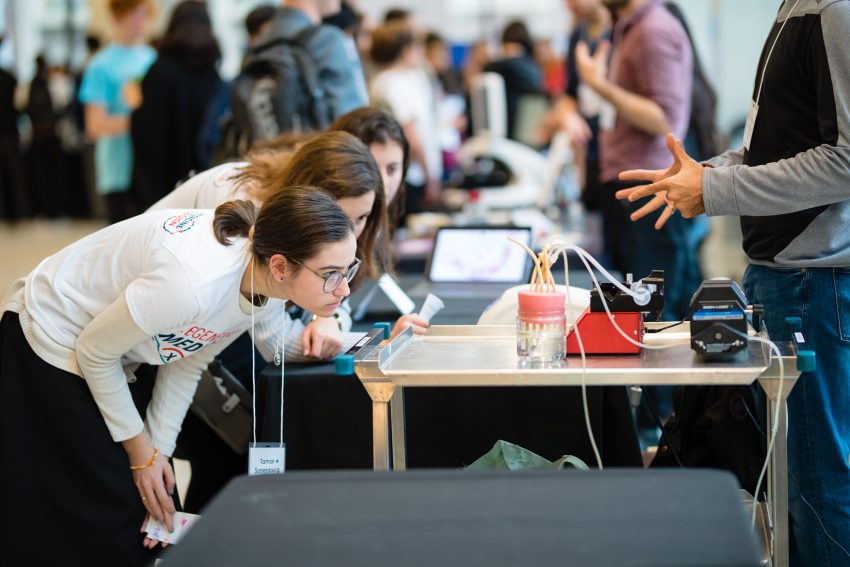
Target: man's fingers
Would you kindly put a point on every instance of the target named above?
(670, 140)
(624, 193)
(648, 208)
(642, 175)
(664, 217)
(680, 153)
(647, 190)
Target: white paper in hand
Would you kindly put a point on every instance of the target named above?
(431, 307)
(182, 522)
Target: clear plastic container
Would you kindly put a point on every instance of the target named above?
(541, 326)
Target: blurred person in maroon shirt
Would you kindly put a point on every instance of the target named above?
(645, 78)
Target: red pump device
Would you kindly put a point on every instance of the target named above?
(598, 334)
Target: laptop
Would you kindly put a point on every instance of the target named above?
(475, 262)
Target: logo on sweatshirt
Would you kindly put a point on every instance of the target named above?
(180, 223)
(177, 346)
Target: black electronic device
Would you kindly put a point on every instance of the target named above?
(718, 314)
(619, 302)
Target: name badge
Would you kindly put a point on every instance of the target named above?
(751, 123)
(266, 458)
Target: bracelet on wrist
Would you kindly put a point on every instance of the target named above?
(147, 464)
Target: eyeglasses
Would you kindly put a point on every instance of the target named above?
(333, 279)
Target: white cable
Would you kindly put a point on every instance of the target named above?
(560, 243)
(583, 366)
(253, 363)
(282, 355)
(559, 246)
(775, 427)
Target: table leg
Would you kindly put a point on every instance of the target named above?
(777, 468)
(380, 443)
(778, 484)
(381, 394)
(398, 431)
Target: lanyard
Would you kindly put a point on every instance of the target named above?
(769, 53)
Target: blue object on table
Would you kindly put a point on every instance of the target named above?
(387, 327)
(806, 361)
(344, 365)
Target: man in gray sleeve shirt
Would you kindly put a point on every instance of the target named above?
(790, 185)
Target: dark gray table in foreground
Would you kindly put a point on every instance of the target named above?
(624, 517)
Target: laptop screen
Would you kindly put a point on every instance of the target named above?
(482, 254)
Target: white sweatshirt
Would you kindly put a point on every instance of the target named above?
(208, 190)
(156, 289)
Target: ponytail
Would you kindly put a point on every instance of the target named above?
(234, 219)
(295, 222)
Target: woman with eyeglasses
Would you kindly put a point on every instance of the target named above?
(84, 443)
(344, 166)
(359, 174)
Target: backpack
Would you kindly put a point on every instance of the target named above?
(278, 90)
(716, 427)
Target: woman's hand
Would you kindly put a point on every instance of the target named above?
(419, 324)
(155, 482)
(149, 542)
(322, 338)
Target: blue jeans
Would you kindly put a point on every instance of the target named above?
(818, 406)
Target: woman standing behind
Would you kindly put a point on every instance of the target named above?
(84, 443)
(175, 94)
(388, 145)
(403, 87)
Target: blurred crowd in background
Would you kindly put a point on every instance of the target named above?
(169, 115)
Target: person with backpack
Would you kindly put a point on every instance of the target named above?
(297, 78)
(85, 442)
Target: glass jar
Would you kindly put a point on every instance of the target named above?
(541, 326)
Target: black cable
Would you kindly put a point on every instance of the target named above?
(660, 425)
(649, 331)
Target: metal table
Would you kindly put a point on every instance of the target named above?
(461, 355)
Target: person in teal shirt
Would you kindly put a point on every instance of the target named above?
(109, 92)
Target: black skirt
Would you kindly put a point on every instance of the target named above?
(66, 492)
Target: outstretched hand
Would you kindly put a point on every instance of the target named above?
(677, 188)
